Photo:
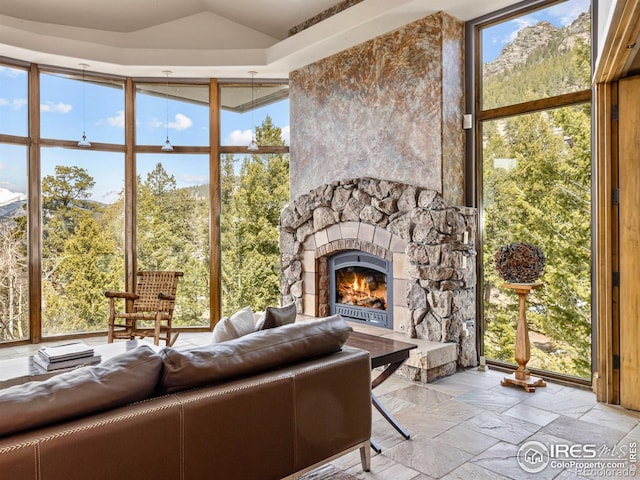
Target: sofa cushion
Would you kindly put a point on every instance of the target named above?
(239, 324)
(252, 353)
(278, 316)
(123, 379)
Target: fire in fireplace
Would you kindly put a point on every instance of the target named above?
(360, 287)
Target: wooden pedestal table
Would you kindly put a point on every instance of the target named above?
(521, 376)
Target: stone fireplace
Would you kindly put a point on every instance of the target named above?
(427, 245)
(378, 168)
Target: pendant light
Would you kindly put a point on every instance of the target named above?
(253, 146)
(83, 142)
(167, 147)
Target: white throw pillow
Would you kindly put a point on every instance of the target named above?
(239, 324)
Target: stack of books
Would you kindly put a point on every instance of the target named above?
(66, 356)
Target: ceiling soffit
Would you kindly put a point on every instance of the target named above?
(202, 38)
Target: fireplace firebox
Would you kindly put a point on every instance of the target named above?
(360, 288)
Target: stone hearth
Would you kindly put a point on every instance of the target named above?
(430, 244)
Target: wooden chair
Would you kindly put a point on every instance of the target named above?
(152, 309)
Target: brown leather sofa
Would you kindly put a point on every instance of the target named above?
(269, 405)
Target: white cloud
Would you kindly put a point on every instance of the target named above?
(117, 121)
(18, 103)
(15, 104)
(194, 179)
(243, 137)
(182, 122)
(12, 72)
(567, 12)
(55, 107)
(238, 138)
(520, 23)
(155, 123)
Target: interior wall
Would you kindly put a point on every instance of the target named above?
(389, 108)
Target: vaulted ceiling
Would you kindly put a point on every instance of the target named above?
(203, 38)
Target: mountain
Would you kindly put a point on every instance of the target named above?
(542, 61)
(532, 41)
(517, 51)
(11, 203)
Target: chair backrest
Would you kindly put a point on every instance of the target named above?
(150, 284)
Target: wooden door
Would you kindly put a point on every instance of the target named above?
(629, 181)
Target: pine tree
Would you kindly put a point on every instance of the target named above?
(80, 258)
(252, 201)
(173, 232)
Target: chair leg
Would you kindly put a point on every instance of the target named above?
(110, 331)
(112, 319)
(365, 457)
(131, 328)
(156, 330)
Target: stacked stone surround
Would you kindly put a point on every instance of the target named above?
(430, 244)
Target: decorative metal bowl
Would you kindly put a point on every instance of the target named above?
(520, 262)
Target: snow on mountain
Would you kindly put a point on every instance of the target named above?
(7, 196)
(11, 203)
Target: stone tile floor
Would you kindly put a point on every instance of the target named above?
(468, 426)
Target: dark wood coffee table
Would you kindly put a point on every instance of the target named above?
(383, 351)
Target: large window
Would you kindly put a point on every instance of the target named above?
(71, 104)
(14, 285)
(13, 101)
(535, 171)
(121, 202)
(82, 237)
(173, 192)
(254, 189)
(82, 200)
(177, 111)
(173, 227)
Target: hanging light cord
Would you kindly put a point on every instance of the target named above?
(253, 146)
(83, 141)
(166, 105)
(167, 147)
(84, 108)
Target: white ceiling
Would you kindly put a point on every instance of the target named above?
(203, 38)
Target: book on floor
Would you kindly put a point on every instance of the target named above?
(67, 351)
(61, 364)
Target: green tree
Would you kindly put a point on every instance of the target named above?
(537, 189)
(252, 200)
(65, 198)
(80, 257)
(173, 234)
(543, 198)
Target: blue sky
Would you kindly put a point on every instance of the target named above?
(496, 37)
(63, 117)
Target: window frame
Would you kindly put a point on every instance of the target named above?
(474, 159)
(34, 142)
